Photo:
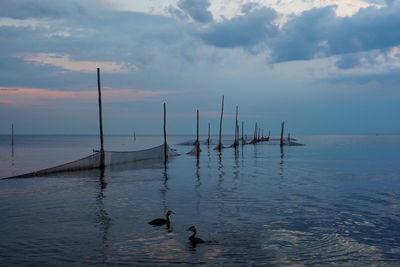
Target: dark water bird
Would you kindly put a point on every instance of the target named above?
(193, 239)
(162, 221)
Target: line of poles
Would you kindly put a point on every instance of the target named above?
(258, 133)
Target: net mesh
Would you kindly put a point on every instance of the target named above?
(111, 158)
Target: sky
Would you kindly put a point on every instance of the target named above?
(323, 67)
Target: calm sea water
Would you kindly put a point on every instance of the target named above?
(335, 201)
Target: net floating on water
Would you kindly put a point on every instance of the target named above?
(111, 158)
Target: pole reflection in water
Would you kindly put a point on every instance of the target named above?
(221, 175)
(242, 156)
(164, 188)
(236, 167)
(104, 219)
(255, 154)
(197, 186)
(236, 170)
(12, 156)
(209, 158)
(281, 163)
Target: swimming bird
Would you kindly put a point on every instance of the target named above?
(193, 239)
(162, 221)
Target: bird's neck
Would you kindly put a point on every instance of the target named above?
(193, 235)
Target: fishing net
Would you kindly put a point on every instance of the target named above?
(111, 158)
(196, 149)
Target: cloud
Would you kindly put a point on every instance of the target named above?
(348, 61)
(65, 62)
(41, 96)
(314, 33)
(248, 30)
(197, 9)
(320, 33)
(39, 8)
(379, 66)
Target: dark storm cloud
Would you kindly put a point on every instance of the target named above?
(197, 9)
(248, 30)
(318, 32)
(21, 9)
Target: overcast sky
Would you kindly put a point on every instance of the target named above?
(323, 67)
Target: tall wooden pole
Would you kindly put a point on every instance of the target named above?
(197, 135)
(220, 125)
(282, 128)
(165, 135)
(242, 133)
(255, 133)
(12, 134)
(208, 139)
(100, 112)
(237, 127)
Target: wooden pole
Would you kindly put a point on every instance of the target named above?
(102, 156)
(255, 134)
(242, 133)
(282, 128)
(197, 135)
(208, 139)
(100, 113)
(165, 135)
(236, 128)
(220, 125)
(12, 134)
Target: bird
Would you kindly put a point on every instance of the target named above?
(162, 221)
(193, 239)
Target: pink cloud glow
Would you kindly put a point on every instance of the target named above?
(40, 96)
(65, 62)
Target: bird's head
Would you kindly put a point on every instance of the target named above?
(192, 228)
(170, 212)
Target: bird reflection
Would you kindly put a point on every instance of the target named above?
(104, 219)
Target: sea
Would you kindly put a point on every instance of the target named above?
(333, 202)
